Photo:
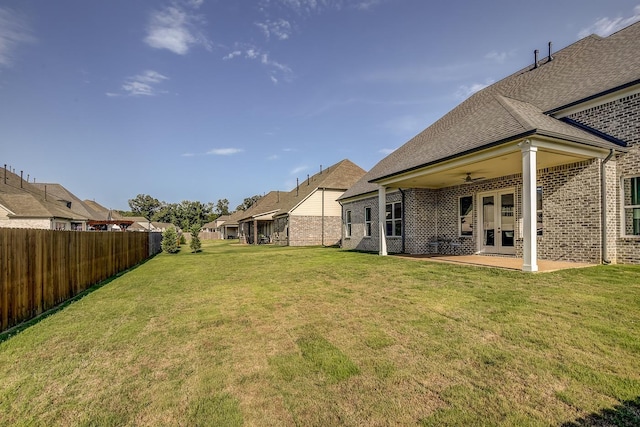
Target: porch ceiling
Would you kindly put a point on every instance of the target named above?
(492, 163)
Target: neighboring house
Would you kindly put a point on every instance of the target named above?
(258, 219)
(307, 215)
(542, 164)
(214, 229)
(311, 214)
(25, 205)
(229, 228)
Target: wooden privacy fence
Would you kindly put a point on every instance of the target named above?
(40, 269)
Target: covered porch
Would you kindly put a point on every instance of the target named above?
(524, 158)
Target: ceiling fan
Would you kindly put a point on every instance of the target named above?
(469, 180)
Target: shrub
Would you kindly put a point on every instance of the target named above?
(195, 244)
(170, 240)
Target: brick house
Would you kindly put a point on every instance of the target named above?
(305, 216)
(544, 164)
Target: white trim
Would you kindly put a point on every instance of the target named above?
(623, 207)
(460, 216)
(596, 102)
(529, 194)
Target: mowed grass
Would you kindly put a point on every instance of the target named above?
(244, 335)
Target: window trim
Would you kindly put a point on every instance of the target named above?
(348, 221)
(368, 228)
(460, 216)
(393, 220)
(625, 207)
(540, 190)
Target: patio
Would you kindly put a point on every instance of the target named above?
(509, 263)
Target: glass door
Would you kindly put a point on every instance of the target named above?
(498, 222)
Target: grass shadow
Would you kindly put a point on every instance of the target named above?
(15, 330)
(625, 414)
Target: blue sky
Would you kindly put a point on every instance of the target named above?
(211, 99)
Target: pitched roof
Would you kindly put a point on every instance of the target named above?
(26, 200)
(520, 104)
(340, 177)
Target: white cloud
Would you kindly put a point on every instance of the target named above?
(280, 29)
(499, 57)
(225, 151)
(176, 29)
(277, 70)
(143, 84)
(187, 155)
(273, 157)
(299, 169)
(232, 55)
(466, 91)
(606, 26)
(13, 32)
(386, 151)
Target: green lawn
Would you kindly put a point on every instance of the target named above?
(243, 335)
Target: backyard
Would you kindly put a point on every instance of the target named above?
(263, 335)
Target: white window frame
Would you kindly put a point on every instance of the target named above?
(460, 215)
(539, 214)
(393, 220)
(347, 223)
(625, 207)
(367, 222)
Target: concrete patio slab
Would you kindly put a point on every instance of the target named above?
(509, 263)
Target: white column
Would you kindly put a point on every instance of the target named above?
(529, 218)
(382, 210)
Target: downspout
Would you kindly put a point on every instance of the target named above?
(403, 221)
(341, 222)
(322, 238)
(603, 208)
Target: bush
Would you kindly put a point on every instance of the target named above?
(195, 244)
(170, 240)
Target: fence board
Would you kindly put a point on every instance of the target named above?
(40, 269)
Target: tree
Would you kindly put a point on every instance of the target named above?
(184, 214)
(222, 207)
(248, 202)
(144, 205)
(170, 240)
(195, 244)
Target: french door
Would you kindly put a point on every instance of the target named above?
(497, 217)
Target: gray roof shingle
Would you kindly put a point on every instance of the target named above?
(520, 104)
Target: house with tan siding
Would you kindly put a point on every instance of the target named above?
(308, 215)
(544, 164)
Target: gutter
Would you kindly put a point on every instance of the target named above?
(403, 220)
(603, 209)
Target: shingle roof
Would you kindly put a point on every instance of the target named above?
(339, 176)
(26, 200)
(516, 105)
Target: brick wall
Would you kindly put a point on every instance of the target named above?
(358, 240)
(620, 119)
(306, 231)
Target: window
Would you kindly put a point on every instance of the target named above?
(465, 215)
(539, 211)
(631, 201)
(367, 222)
(394, 219)
(347, 231)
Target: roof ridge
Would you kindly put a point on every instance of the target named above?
(507, 103)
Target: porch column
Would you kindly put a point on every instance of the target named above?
(382, 212)
(255, 232)
(529, 218)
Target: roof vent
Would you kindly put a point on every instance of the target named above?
(535, 58)
(550, 57)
